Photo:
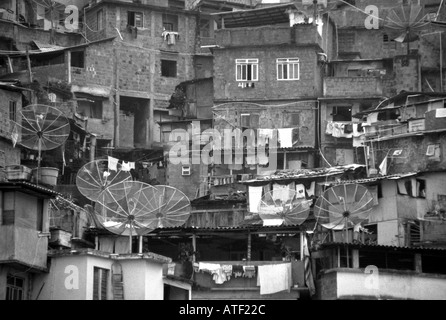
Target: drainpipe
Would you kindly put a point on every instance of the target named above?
(117, 99)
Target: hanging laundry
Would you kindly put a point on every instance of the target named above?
(249, 271)
(219, 276)
(237, 271)
(264, 135)
(125, 166)
(338, 130)
(273, 222)
(235, 167)
(286, 137)
(300, 191)
(132, 165)
(208, 267)
(255, 196)
(113, 163)
(348, 128)
(227, 269)
(356, 132)
(311, 190)
(106, 174)
(275, 278)
(14, 136)
(280, 192)
(329, 129)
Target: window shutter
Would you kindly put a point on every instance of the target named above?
(104, 281)
(96, 284)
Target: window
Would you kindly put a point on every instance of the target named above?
(288, 69)
(99, 20)
(346, 42)
(14, 287)
(39, 220)
(170, 22)
(8, 208)
(78, 59)
(415, 188)
(342, 113)
(249, 120)
(13, 110)
(100, 283)
(90, 108)
(247, 69)
(135, 19)
(168, 68)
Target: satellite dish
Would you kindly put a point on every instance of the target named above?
(289, 208)
(343, 206)
(139, 208)
(128, 213)
(172, 208)
(407, 21)
(41, 128)
(94, 178)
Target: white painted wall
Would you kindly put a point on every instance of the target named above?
(392, 285)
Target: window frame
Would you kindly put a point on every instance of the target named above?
(100, 276)
(13, 289)
(13, 110)
(170, 61)
(100, 20)
(134, 15)
(287, 64)
(171, 20)
(251, 66)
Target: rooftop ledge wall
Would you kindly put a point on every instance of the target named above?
(268, 35)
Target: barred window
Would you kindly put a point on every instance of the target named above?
(14, 288)
(247, 69)
(288, 69)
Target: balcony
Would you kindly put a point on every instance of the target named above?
(353, 87)
(345, 283)
(304, 34)
(243, 287)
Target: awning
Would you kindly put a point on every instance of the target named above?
(256, 17)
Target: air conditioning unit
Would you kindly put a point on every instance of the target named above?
(185, 171)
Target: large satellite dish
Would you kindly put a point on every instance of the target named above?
(287, 208)
(407, 21)
(41, 128)
(135, 208)
(343, 206)
(94, 178)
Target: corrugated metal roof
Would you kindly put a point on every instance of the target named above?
(374, 179)
(305, 174)
(30, 186)
(379, 246)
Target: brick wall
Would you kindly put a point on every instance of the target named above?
(300, 34)
(414, 156)
(352, 86)
(406, 73)
(268, 87)
(228, 116)
(23, 36)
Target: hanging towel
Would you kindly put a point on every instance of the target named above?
(329, 129)
(356, 132)
(125, 166)
(219, 276)
(311, 190)
(348, 128)
(275, 278)
(255, 195)
(132, 165)
(280, 192)
(300, 191)
(286, 137)
(208, 267)
(113, 163)
(227, 269)
(338, 130)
